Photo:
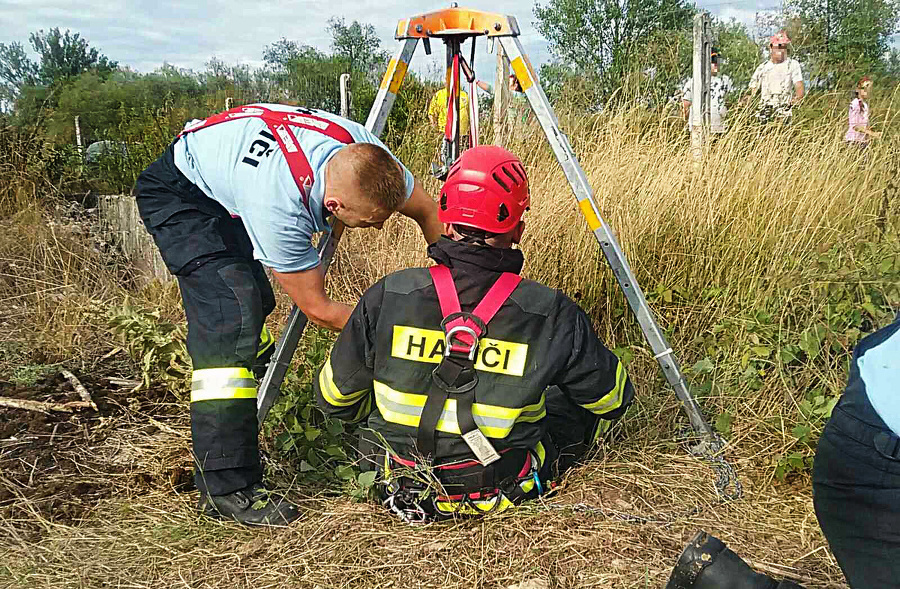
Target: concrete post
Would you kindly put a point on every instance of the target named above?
(501, 98)
(700, 85)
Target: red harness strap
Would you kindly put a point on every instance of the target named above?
(278, 123)
(452, 122)
(485, 310)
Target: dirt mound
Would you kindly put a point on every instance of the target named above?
(56, 465)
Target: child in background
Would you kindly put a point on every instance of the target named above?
(859, 133)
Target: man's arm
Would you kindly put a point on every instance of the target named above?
(420, 208)
(755, 82)
(344, 388)
(685, 109)
(798, 92)
(593, 376)
(307, 289)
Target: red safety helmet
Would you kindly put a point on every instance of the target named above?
(486, 189)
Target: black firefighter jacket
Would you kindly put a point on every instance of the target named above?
(380, 367)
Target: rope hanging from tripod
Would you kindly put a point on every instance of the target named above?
(451, 128)
(474, 124)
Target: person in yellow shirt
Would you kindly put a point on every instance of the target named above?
(437, 111)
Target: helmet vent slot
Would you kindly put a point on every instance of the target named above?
(511, 177)
(520, 171)
(503, 215)
(444, 202)
(500, 182)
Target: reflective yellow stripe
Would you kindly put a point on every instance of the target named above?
(476, 507)
(613, 399)
(603, 426)
(494, 421)
(523, 72)
(588, 211)
(427, 345)
(332, 394)
(211, 384)
(265, 340)
(364, 409)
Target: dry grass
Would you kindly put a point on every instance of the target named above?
(750, 226)
(618, 522)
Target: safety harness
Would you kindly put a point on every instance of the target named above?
(278, 123)
(495, 479)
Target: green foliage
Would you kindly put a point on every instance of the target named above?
(29, 374)
(739, 53)
(66, 55)
(319, 447)
(16, 70)
(798, 336)
(603, 39)
(157, 345)
(842, 38)
(357, 45)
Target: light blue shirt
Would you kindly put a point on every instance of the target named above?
(265, 196)
(879, 368)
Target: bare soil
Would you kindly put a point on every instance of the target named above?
(48, 463)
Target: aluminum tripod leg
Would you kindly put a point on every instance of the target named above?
(611, 249)
(390, 85)
(270, 387)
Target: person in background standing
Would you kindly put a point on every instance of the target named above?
(859, 132)
(719, 87)
(779, 82)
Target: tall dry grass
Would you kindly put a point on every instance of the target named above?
(763, 205)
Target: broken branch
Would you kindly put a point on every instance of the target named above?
(79, 388)
(43, 407)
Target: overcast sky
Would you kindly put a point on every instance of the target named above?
(144, 34)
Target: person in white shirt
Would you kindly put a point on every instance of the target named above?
(719, 87)
(779, 82)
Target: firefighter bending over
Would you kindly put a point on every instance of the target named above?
(476, 388)
(240, 190)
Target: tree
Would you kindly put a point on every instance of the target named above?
(842, 37)
(739, 53)
(357, 45)
(603, 38)
(16, 70)
(66, 55)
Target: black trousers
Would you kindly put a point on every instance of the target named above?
(226, 297)
(856, 482)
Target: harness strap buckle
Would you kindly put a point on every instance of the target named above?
(462, 347)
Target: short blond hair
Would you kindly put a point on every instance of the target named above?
(378, 175)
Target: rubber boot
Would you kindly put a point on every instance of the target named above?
(707, 563)
(253, 506)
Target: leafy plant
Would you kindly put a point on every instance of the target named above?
(157, 345)
(319, 447)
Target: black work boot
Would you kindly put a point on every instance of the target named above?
(253, 506)
(706, 563)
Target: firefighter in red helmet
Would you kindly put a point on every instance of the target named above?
(476, 387)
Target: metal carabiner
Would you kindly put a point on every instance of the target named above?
(448, 336)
